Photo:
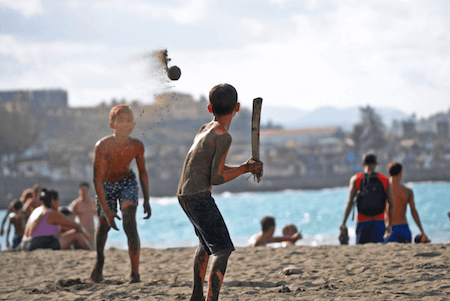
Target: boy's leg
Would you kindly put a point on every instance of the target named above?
(200, 265)
(216, 275)
(129, 225)
(101, 234)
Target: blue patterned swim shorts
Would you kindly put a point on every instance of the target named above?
(124, 190)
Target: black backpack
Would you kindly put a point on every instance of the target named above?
(371, 197)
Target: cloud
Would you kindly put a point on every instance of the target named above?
(27, 8)
(189, 12)
(316, 53)
(37, 54)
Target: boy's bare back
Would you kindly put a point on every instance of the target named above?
(402, 197)
(18, 221)
(112, 157)
(204, 159)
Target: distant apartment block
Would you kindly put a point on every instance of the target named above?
(300, 135)
(442, 129)
(40, 99)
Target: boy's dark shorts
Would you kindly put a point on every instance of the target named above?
(208, 222)
(124, 190)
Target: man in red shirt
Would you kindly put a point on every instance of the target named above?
(370, 226)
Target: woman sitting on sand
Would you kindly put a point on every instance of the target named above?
(43, 228)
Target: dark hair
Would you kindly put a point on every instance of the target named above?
(267, 222)
(66, 211)
(287, 227)
(47, 196)
(369, 159)
(395, 168)
(223, 99)
(83, 184)
(27, 196)
(17, 204)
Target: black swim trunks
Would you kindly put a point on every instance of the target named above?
(208, 222)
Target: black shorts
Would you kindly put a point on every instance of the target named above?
(208, 222)
(41, 242)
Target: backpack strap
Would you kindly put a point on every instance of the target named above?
(359, 177)
(384, 180)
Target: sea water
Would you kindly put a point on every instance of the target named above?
(316, 213)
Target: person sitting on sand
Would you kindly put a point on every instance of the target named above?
(31, 199)
(66, 231)
(16, 220)
(84, 209)
(29, 203)
(115, 182)
(266, 235)
(43, 229)
(27, 196)
(402, 197)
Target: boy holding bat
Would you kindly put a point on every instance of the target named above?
(205, 166)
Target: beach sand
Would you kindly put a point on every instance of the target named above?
(362, 272)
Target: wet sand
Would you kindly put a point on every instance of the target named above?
(363, 272)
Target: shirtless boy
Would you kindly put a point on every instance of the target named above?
(205, 166)
(402, 197)
(115, 181)
(18, 221)
(84, 208)
(266, 235)
(29, 203)
(34, 202)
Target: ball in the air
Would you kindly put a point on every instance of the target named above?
(174, 73)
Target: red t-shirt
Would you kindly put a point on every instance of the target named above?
(385, 181)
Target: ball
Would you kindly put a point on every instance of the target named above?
(174, 73)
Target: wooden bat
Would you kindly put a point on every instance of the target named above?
(256, 122)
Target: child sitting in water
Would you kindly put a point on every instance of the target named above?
(266, 235)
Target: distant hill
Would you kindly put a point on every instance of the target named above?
(325, 116)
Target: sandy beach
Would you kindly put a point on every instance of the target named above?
(363, 272)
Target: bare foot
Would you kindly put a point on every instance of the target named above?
(134, 278)
(97, 272)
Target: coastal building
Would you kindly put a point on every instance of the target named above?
(40, 99)
(324, 135)
(442, 129)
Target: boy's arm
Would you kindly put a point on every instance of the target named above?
(293, 238)
(390, 199)
(74, 206)
(8, 211)
(143, 177)
(7, 233)
(348, 207)
(99, 170)
(414, 212)
(58, 218)
(221, 173)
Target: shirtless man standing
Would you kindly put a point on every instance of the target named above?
(85, 209)
(402, 197)
(115, 181)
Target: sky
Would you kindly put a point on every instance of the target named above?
(301, 54)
